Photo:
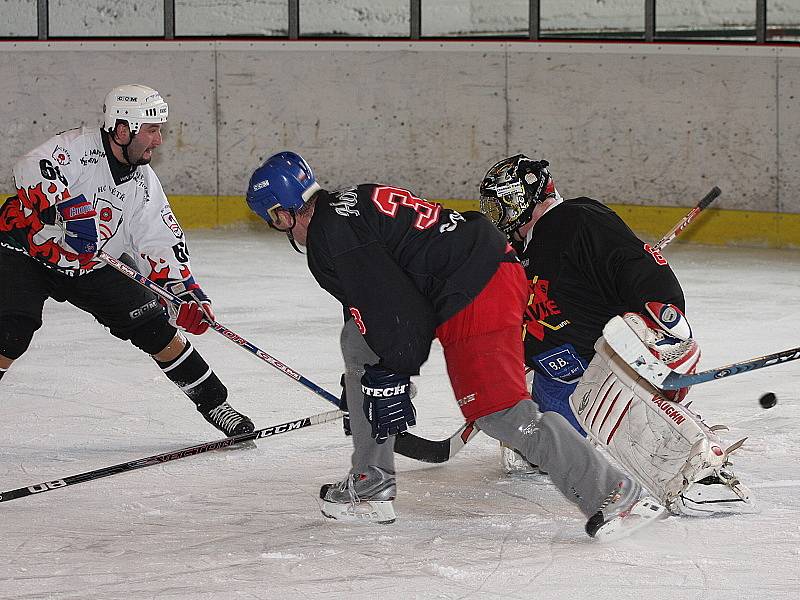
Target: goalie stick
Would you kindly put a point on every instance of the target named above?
(682, 224)
(633, 351)
(614, 328)
(407, 444)
(676, 230)
(48, 486)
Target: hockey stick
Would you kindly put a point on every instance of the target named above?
(219, 328)
(633, 351)
(435, 451)
(681, 225)
(47, 486)
(406, 444)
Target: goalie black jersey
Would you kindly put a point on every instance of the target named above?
(400, 265)
(584, 266)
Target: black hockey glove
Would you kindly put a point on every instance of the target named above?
(387, 402)
(344, 409)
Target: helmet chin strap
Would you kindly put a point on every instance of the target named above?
(124, 146)
(293, 242)
(288, 231)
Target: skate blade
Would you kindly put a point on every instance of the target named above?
(245, 445)
(715, 508)
(380, 512)
(513, 463)
(644, 512)
(738, 502)
(527, 473)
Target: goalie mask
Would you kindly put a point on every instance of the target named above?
(512, 188)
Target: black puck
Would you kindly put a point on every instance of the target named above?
(768, 400)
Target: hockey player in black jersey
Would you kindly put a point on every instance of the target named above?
(584, 266)
(92, 189)
(407, 271)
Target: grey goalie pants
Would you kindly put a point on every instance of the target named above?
(579, 472)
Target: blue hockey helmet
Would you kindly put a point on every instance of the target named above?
(284, 181)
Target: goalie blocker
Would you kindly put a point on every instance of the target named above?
(662, 443)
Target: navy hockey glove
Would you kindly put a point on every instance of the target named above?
(80, 228)
(387, 402)
(344, 409)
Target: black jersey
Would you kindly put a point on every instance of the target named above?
(584, 266)
(400, 265)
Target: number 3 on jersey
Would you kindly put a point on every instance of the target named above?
(387, 199)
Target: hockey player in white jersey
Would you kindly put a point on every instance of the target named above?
(92, 189)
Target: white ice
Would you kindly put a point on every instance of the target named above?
(246, 523)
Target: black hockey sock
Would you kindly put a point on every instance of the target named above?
(195, 378)
(2, 372)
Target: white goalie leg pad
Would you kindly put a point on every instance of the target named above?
(663, 444)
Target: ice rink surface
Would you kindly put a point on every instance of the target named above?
(246, 523)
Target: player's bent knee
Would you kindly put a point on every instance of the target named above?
(509, 425)
(152, 336)
(16, 334)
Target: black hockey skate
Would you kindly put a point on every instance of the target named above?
(228, 420)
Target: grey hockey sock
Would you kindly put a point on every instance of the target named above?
(195, 378)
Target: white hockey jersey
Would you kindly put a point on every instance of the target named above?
(133, 214)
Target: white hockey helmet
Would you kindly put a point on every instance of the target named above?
(135, 104)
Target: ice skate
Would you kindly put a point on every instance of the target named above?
(362, 497)
(718, 492)
(229, 421)
(623, 512)
(514, 463)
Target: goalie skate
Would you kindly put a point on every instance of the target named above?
(361, 497)
(624, 512)
(715, 490)
(514, 463)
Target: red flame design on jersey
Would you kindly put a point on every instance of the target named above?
(26, 215)
(159, 269)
